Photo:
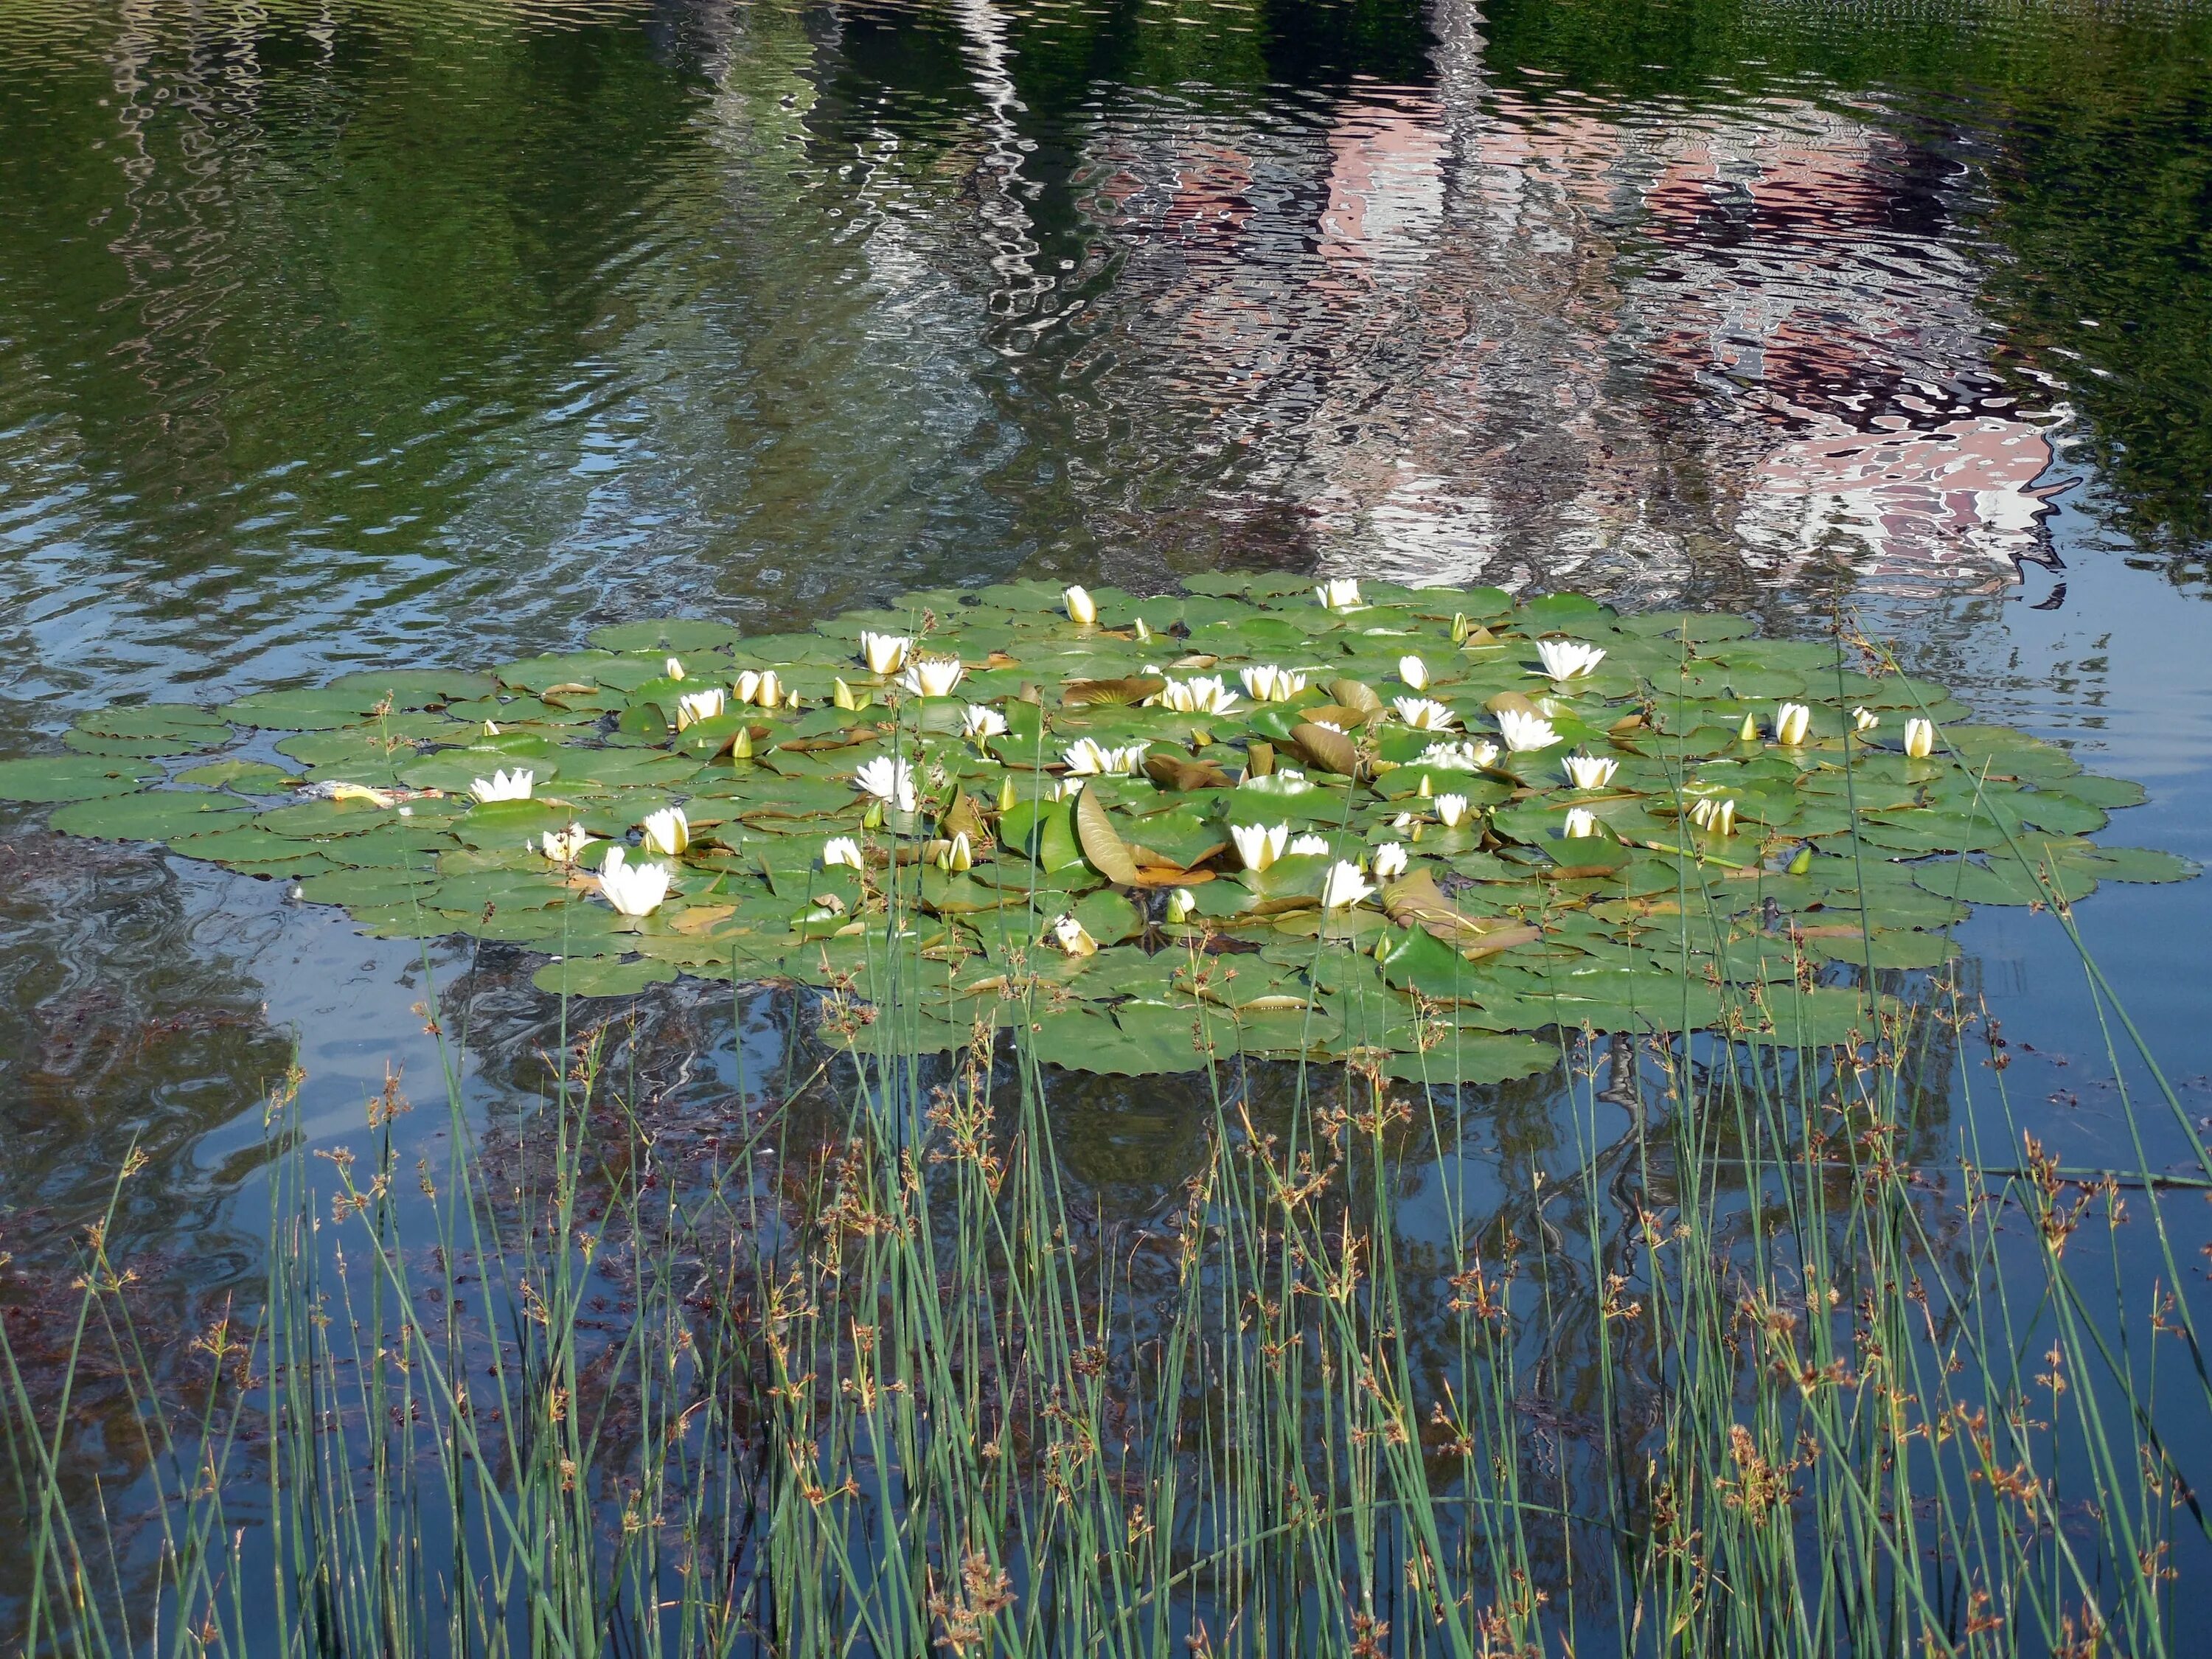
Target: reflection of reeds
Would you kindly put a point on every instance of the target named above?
(1720, 1351)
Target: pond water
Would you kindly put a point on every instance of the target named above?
(386, 333)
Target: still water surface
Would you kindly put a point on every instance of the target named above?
(347, 334)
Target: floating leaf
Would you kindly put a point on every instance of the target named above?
(71, 777)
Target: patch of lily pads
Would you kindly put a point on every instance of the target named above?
(1417, 827)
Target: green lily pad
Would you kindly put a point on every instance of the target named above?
(600, 976)
(71, 777)
(166, 815)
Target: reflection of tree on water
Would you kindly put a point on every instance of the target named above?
(121, 1036)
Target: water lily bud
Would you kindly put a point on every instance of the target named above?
(1582, 824)
(1748, 732)
(1459, 628)
(491, 728)
(1427, 788)
(842, 697)
(665, 831)
(673, 669)
(958, 855)
(1793, 722)
(873, 817)
(1082, 609)
(1451, 811)
(1007, 796)
(770, 691)
(1864, 720)
(1144, 633)
(884, 653)
(741, 746)
(1414, 673)
(1182, 904)
(1802, 862)
(1919, 739)
(1339, 594)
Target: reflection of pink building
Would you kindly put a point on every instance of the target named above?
(1470, 336)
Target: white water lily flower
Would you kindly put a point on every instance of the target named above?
(1264, 683)
(1072, 937)
(1564, 659)
(1127, 761)
(842, 850)
(763, 688)
(1310, 846)
(889, 780)
(1424, 713)
(562, 846)
(1716, 816)
(1081, 607)
(634, 890)
(1469, 756)
(933, 676)
(695, 705)
(1792, 721)
(1083, 758)
(978, 723)
(1590, 771)
(1919, 739)
(1344, 887)
(884, 653)
(1864, 720)
(1451, 811)
(1390, 859)
(1201, 695)
(665, 831)
(673, 668)
(1414, 673)
(958, 854)
(1182, 904)
(1260, 845)
(505, 786)
(1523, 731)
(1339, 594)
(1582, 824)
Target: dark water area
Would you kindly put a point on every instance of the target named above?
(382, 334)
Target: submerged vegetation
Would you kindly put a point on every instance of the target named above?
(1136, 826)
(1755, 1348)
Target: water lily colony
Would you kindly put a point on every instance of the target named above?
(1257, 816)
